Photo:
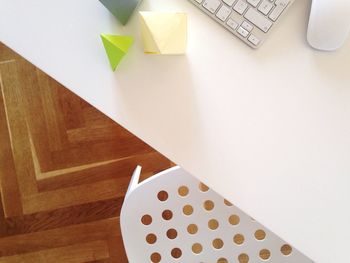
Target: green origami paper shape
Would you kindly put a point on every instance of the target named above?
(121, 9)
(116, 47)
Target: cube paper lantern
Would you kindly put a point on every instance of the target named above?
(164, 32)
(121, 9)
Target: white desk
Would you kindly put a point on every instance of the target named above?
(268, 129)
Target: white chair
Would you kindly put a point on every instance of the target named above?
(172, 217)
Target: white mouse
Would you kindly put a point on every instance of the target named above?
(329, 24)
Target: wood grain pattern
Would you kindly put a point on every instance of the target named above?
(76, 253)
(64, 171)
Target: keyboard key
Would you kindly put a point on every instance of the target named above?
(223, 13)
(240, 6)
(229, 2)
(276, 12)
(265, 7)
(282, 2)
(254, 2)
(258, 20)
(212, 5)
(247, 26)
(242, 32)
(232, 23)
(253, 39)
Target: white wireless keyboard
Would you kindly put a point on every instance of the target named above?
(249, 20)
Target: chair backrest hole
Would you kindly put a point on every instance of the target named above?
(286, 250)
(238, 239)
(146, 220)
(228, 203)
(176, 253)
(260, 234)
(156, 257)
(203, 187)
(208, 205)
(162, 196)
(183, 191)
(151, 238)
(234, 220)
(222, 260)
(218, 243)
(243, 258)
(192, 229)
(187, 210)
(197, 248)
(167, 215)
(265, 254)
(213, 224)
(171, 233)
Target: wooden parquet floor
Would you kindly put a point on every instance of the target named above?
(64, 170)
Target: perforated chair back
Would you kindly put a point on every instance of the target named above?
(172, 217)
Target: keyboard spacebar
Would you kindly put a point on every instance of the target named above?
(257, 19)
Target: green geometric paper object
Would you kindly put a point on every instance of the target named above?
(116, 47)
(121, 9)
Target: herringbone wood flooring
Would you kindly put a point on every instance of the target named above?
(64, 170)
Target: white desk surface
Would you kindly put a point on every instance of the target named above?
(268, 129)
